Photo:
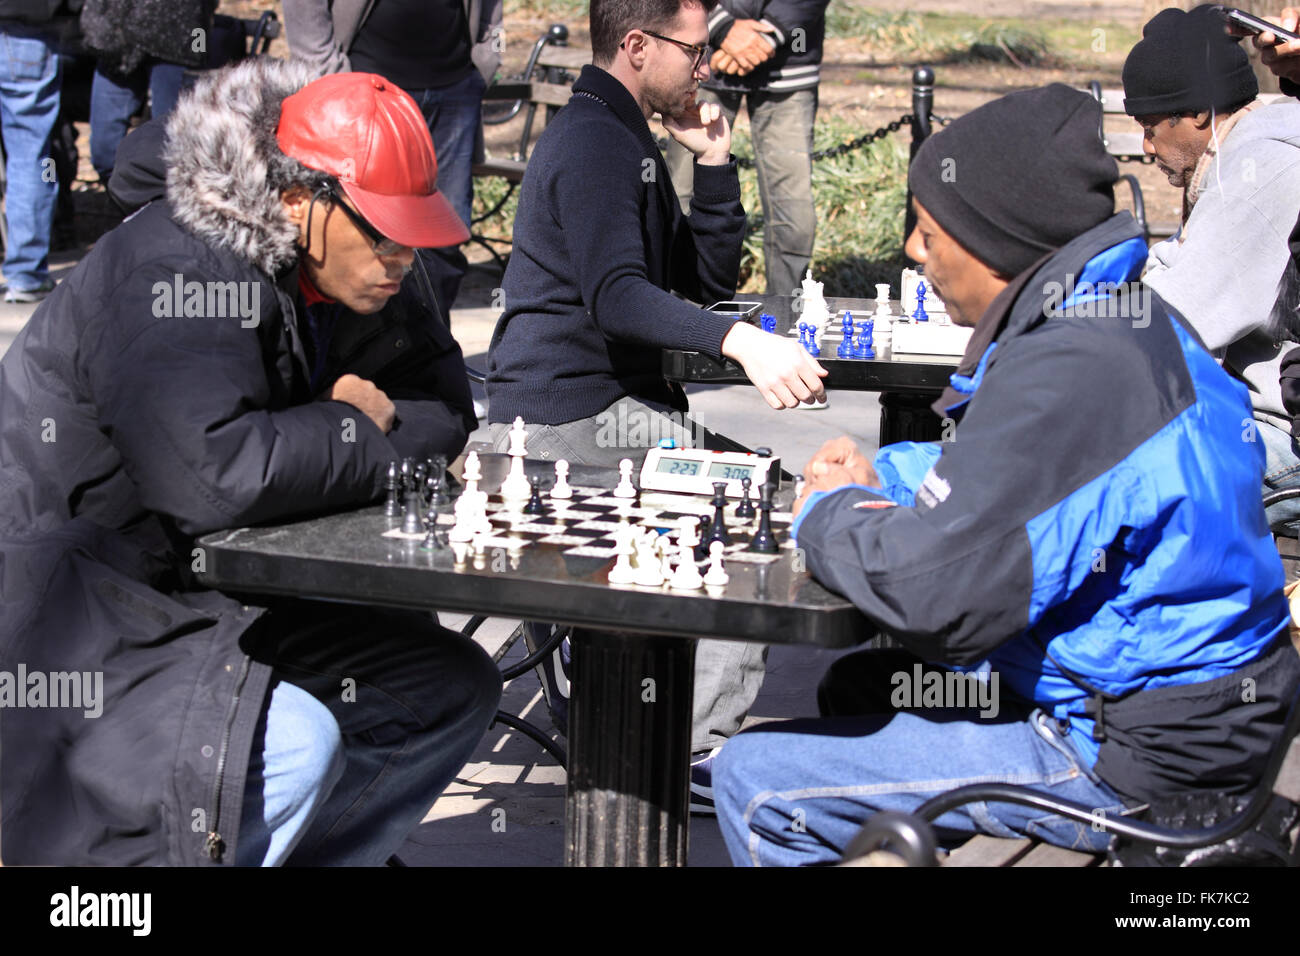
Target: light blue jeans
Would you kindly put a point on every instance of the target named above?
(114, 100)
(29, 108)
(795, 793)
(1281, 471)
(782, 128)
(370, 714)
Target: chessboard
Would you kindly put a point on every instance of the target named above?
(585, 524)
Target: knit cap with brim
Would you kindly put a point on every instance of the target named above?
(1019, 177)
(1186, 63)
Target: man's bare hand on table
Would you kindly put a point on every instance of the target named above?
(367, 398)
(837, 463)
(782, 371)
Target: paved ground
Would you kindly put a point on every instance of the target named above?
(507, 805)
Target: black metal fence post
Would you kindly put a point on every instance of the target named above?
(922, 108)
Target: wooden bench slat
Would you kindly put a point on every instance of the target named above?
(983, 850)
(1124, 144)
(548, 94)
(566, 58)
(511, 170)
(1047, 855)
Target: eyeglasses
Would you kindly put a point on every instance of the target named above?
(380, 244)
(700, 50)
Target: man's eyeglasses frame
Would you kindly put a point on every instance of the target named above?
(701, 50)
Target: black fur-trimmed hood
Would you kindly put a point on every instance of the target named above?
(219, 157)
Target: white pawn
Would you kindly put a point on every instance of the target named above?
(648, 573)
(687, 576)
(716, 576)
(622, 572)
(625, 488)
(561, 488)
(663, 546)
(689, 534)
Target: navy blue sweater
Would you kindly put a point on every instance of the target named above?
(599, 240)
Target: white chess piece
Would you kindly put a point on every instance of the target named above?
(687, 576)
(882, 300)
(473, 470)
(518, 438)
(690, 528)
(883, 331)
(648, 573)
(716, 576)
(625, 488)
(561, 489)
(813, 306)
(663, 546)
(622, 572)
(515, 488)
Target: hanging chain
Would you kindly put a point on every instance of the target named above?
(906, 119)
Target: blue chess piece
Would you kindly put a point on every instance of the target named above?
(866, 346)
(845, 349)
(767, 322)
(846, 324)
(810, 338)
(920, 315)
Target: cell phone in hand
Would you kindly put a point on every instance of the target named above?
(1255, 25)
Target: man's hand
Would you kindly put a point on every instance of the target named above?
(371, 402)
(744, 43)
(706, 134)
(782, 371)
(836, 464)
(1282, 58)
(724, 63)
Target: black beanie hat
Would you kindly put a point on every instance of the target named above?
(1018, 177)
(1185, 63)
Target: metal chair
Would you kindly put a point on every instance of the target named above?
(912, 837)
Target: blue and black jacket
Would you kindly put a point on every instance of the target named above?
(1093, 530)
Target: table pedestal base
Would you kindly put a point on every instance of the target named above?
(629, 750)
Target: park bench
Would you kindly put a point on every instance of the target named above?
(538, 93)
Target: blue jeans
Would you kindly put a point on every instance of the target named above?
(1281, 472)
(370, 715)
(782, 128)
(29, 109)
(455, 116)
(114, 100)
(797, 792)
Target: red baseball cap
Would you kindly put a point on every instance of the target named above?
(370, 134)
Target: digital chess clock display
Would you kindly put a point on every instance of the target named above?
(694, 471)
(717, 470)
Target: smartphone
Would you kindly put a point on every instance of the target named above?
(743, 309)
(1254, 25)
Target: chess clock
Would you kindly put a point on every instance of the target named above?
(692, 471)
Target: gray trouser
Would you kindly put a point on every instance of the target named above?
(728, 674)
(782, 128)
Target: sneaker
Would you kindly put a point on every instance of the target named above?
(554, 672)
(29, 295)
(702, 782)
